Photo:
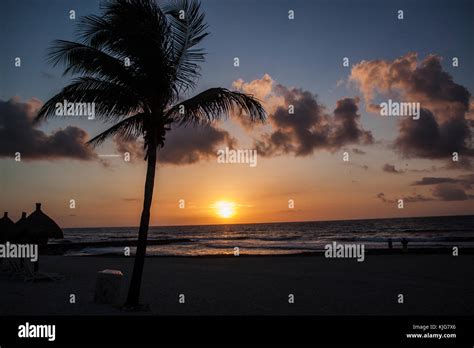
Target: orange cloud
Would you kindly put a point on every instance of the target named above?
(299, 122)
(445, 123)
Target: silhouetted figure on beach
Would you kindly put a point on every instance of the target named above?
(390, 244)
(405, 244)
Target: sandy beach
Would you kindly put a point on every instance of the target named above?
(431, 284)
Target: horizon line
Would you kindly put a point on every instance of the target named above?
(283, 222)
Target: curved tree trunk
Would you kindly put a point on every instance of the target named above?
(135, 284)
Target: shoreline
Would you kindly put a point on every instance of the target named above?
(417, 251)
(61, 248)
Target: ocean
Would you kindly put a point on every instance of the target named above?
(275, 238)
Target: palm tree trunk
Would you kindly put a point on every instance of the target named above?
(135, 284)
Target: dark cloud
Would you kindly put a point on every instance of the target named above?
(18, 133)
(358, 151)
(310, 128)
(427, 138)
(390, 168)
(444, 126)
(433, 181)
(383, 198)
(347, 129)
(446, 192)
(463, 163)
(444, 189)
(431, 83)
(184, 145)
(415, 198)
(189, 145)
(467, 181)
(426, 170)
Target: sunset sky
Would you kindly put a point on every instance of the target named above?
(300, 157)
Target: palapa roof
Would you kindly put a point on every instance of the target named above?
(40, 225)
(6, 225)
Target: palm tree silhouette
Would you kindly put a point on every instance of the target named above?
(136, 61)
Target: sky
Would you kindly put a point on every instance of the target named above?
(283, 62)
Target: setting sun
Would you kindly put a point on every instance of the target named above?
(224, 209)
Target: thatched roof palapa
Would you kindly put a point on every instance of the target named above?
(6, 226)
(40, 227)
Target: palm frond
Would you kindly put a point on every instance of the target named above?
(129, 128)
(213, 104)
(111, 101)
(187, 30)
(87, 60)
(121, 23)
(137, 30)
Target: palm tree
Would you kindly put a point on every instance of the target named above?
(136, 63)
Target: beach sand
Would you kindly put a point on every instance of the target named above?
(431, 285)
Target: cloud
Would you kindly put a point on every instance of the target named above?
(358, 151)
(442, 192)
(445, 120)
(390, 168)
(183, 145)
(264, 90)
(433, 181)
(133, 146)
(415, 198)
(260, 88)
(18, 133)
(425, 170)
(190, 145)
(463, 163)
(347, 129)
(382, 197)
(447, 192)
(427, 138)
(300, 125)
(466, 181)
(444, 189)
